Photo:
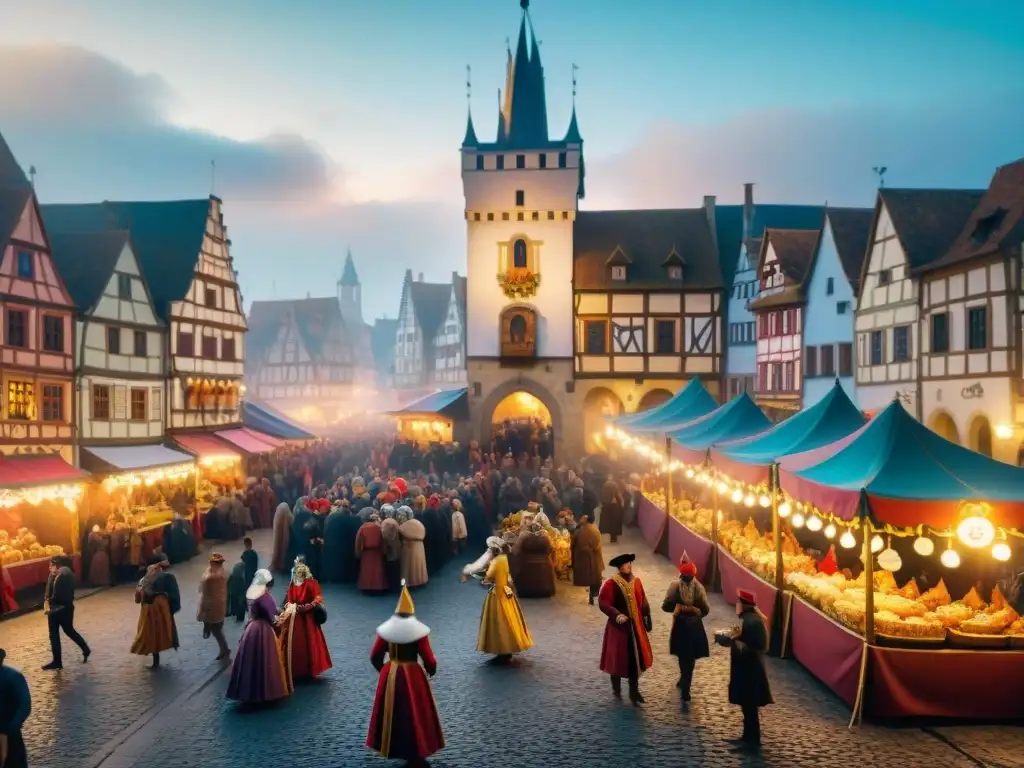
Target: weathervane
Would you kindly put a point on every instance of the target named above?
(32, 176)
(575, 69)
(880, 173)
(213, 176)
(469, 82)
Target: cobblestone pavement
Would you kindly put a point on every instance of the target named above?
(78, 710)
(552, 709)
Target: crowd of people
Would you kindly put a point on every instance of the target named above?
(388, 531)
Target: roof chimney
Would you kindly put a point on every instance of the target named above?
(419, 278)
(709, 212)
(748, 209)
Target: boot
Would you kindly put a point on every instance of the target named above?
(156, 661)
(634, 691)
(617, 687)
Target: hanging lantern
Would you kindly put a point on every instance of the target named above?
(737, 496)
(830, 531)
(976, 531)
(814, 523)
(797, 521)
(950, 558)
(889, 559)
(847, 540)
(785, 509)
(689, 473)
(749, 500)
(877, 544)
(924, 546)
(765, 500)
(1001, 551)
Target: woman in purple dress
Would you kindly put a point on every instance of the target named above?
(257, 674)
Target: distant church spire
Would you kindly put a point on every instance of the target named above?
(348, 274)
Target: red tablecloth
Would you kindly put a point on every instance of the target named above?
(682, 539)
(32, 573)
(826, 649)
(7, 601)
(651, 520)
(961, 684)
(736, 576)
(151, 539)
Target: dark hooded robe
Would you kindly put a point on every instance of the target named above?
(333, 564)
(237, 585)
(435, 542)
(314, 533)
(298, 542)
(349, 562)
(179, 542)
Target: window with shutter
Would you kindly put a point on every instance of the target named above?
(846, 359)
(762, 377)
(155, 404)
(666, 337)
(828, 361)
(776, 377)
(186, 344)
(120, 402)
(789, 376)
(810, 362)
(594, 342)
(101, 402)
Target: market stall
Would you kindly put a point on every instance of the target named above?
(220, 473)
(431, 419)
(39, 497)
(263, 418)
(128, 513)
(916, 508)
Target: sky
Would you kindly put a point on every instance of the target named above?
(335, 124)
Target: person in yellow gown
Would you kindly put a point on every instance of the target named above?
(503, 630)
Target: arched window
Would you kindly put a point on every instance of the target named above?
(517, 329)
(519, 254)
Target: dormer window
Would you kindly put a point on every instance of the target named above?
(987, 225)
(617, 264)
(675, 273)
(26, 265)
(618, 273)
(673, 265)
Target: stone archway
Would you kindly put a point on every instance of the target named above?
(942, 424)
(653, 398)
(981, 435)
(600, 405)
(530, 387)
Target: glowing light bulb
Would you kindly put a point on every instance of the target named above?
(889, 559)
(737, 496)
(749, 500)
(877, 544)
(689, 473)
(950, 558)
(722, 487)
(1001, 551)
(609, 432)
(924, 546)
(765, 500)
(814, 523)
(976, 532)
(847, 541)
(830, 531)
(797, 521)
(785, 509)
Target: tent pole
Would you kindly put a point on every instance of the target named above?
(869, 581)
(713, 567)
(668, 490)
(780, 581)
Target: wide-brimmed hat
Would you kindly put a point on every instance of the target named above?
(620, 560)
(216, 557)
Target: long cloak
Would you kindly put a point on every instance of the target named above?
(331, 566)
(282, 534)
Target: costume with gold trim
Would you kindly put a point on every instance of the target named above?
(626, 650)
(404, 723)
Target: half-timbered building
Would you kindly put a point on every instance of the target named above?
(37, 333)
(910, 229)
(185, 254)
(299, 358)
(783, 264)
(421, 323)
(741, 335)
(970, 330)
(119, 357)
(450, 339)
(830, 291)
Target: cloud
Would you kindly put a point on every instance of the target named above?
(95, 129)
(797, 156)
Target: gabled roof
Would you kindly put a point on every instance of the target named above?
(851, 230)
(794, 250)
(646, 238)
(167, 237)
(430, 303)
(11, 174)
(927, 221)
(997, 223)
(86, 263)
(15, 192)
(729, 223)
(315, 319)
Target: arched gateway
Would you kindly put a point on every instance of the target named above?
(519, 405)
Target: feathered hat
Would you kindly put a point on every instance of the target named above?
(403, 627)
(686, 566)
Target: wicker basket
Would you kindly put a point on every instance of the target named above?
(958, 639)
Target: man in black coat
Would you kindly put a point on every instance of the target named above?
(15, 707)
(59, 606)
(749, 688)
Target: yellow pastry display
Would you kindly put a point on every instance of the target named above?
(694, 517)
(561, 552)
(24, 546)
(757, 551)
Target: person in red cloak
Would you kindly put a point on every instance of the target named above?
(302, 640)
(626, 651)
(404, 724)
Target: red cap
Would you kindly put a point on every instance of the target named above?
(402, 486)
(687, 569)
(747, 596)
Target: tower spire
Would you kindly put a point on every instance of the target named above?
(469, 140)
